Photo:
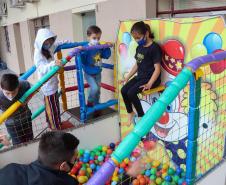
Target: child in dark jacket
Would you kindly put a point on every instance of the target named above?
(56, 155)
(19, 124)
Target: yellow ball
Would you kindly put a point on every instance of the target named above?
(82, 179)
(115, 178)
(126, 160)
(104, 148)
(89, 170)
(165, 166)
(155, 163)
(164, 175)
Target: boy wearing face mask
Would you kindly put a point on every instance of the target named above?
(19, 124)
(92, 65)
(44, 61)
(56, 156)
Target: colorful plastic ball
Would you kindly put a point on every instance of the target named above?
(183, 174)
(136, 182)
(166, 183)
(158, 180)
(171, 171)
(126, 160)
(92, 166)
(97, 168)
(180, 181)
(85, 160)
(121, 170)
(165, 166)
(148, 173)
(158, 173)
(82, 179)
(212, 42)
(81, 152)
(109, 151)
(132, 159)
(164, 175)
(112, 145)
(179, 171)
(115, 178)
(148, 166)
(168, 178)
(184, 183)
(155, 164)
(114, 183)
(152, 177)
(176, 178)
(153, 171)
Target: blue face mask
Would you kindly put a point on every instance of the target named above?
(141, 42)
(46, 46)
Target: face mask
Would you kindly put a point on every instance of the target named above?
(46, 46)
(9, 98)
(94, 42)
(141, 42)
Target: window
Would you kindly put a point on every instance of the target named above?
(42, 22)
(7, 39)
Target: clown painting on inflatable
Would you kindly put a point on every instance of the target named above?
(181, 40)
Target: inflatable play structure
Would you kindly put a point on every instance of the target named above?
(185, 116)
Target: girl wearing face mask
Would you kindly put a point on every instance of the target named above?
(148, 68)
(92, 65)
(44, 61)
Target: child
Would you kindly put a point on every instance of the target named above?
(56, 156)
(148, 68)
(19, 124)
(44, 61)
(92, 65)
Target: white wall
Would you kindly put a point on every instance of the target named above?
(44, 7)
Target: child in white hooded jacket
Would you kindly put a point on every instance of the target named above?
(44, 61)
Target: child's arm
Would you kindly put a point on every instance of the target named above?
(106, 53)
(131, 73)
(153, 78)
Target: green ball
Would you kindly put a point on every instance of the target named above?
(171, 171)
(158, 180)
(166, 183)
(183, 174)
(153, 171)
(97, 153)
(100, 148)
(176, 178)
(153, 177)
(81, 152)
(104, 153)
(142, 172)
(173, 183)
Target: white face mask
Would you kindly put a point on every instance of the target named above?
(9, 98)
(94, 42)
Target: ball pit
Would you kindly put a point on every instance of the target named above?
(155, 173)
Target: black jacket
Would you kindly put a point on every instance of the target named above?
(34, 174)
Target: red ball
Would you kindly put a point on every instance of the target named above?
(158, 174)
(123, 165)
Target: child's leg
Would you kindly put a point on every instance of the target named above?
(125, 92)
(53, 111)
(13, 134)
(98, 82)
(132, 95)
(93, 89)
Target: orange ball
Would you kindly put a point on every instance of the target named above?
(142, 181)
(82, 173)
(123, 165)
(136, 182)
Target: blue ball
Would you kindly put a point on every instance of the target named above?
(100, 158)
(113, 183)
(148, 173)
(121, 170)
(180, 181)
(81, 158)
(212, 42)
(86, 155)
(179, 171)
(112, 145)
(86, 160)
(168, 178)
(97, 168)
(91, 158)
(92, 166)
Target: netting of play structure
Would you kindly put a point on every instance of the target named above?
(72, 92)
(182, 134)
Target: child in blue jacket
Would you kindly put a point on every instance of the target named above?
(92, 64)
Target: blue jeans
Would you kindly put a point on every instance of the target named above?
(94, 91)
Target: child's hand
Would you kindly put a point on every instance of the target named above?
(136, 168)
(4, 140)
(123, 81)
(146, 86)
(58, 63)
(80, 47)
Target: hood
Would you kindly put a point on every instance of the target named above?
(42, 35)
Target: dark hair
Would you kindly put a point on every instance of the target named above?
(93, 29)
(56, 147)
(142, 28)
(46, 53)
(9, 82)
